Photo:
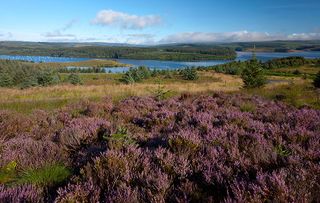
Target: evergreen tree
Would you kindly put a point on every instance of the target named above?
(316, 81)
(48, 77)
(75, 79)
(6, 79)
(189, 74)
(253, 75)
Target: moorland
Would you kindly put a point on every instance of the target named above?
(237, 132)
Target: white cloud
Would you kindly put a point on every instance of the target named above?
(126, 21)
(240, 36)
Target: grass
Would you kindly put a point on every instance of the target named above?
(47, 176)
(296, 93)
(89, 63)
(309, 70)
(247, 107)
(294, 90)
(108, 85)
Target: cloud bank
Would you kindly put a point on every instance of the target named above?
(239, 36)
(126, 21)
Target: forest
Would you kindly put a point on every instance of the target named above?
(173, 53)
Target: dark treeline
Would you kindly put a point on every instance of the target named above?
(157, 53)
(236, 67)
(81, 70)
(289, 62)
(142, 73)
(13, 73)
(25, 75)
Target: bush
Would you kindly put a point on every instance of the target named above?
(74, 79)
(316, 81)
(189, 74)
(253, 75)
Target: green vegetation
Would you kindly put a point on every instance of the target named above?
(316, 81)
(291, 62)
(8, 173)
(14, 73)
(189, 74)
(253, 75)
(174, 52)
(47, 176)
(275, 46)
(300, 94)
(136, 75)
(75, 79)
(247, 107)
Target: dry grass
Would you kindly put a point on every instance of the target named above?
(303, 69)
(57, 96)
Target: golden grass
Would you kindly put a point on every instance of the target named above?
(108, 86)
(57, 96)
(303, 69)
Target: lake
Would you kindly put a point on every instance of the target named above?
(165, 65)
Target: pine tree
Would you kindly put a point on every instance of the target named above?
(253, 75)
(6, 79)
(75, 79)
(316, 81)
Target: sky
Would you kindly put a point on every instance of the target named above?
(159, 21)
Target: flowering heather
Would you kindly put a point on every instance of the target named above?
(218, 148)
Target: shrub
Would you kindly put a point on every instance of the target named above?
(296, 72)
(75, 79)
(189, 74)
(160, 92)
(247, 107)
(316, 81)
(253, 75)
(202, 148)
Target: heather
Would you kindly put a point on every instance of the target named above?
(189, 148)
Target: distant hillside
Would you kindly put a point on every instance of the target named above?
(276, 46)
(105, 50)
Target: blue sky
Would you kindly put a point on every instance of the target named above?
(159, 21)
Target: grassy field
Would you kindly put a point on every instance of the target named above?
(99, 86)
(96, 63)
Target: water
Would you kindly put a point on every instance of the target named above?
(166, 65)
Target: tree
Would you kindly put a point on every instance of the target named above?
(6, 79)
(253, 75)
(75, 79)
(48, 77)
(189, 74)
(316, 81)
